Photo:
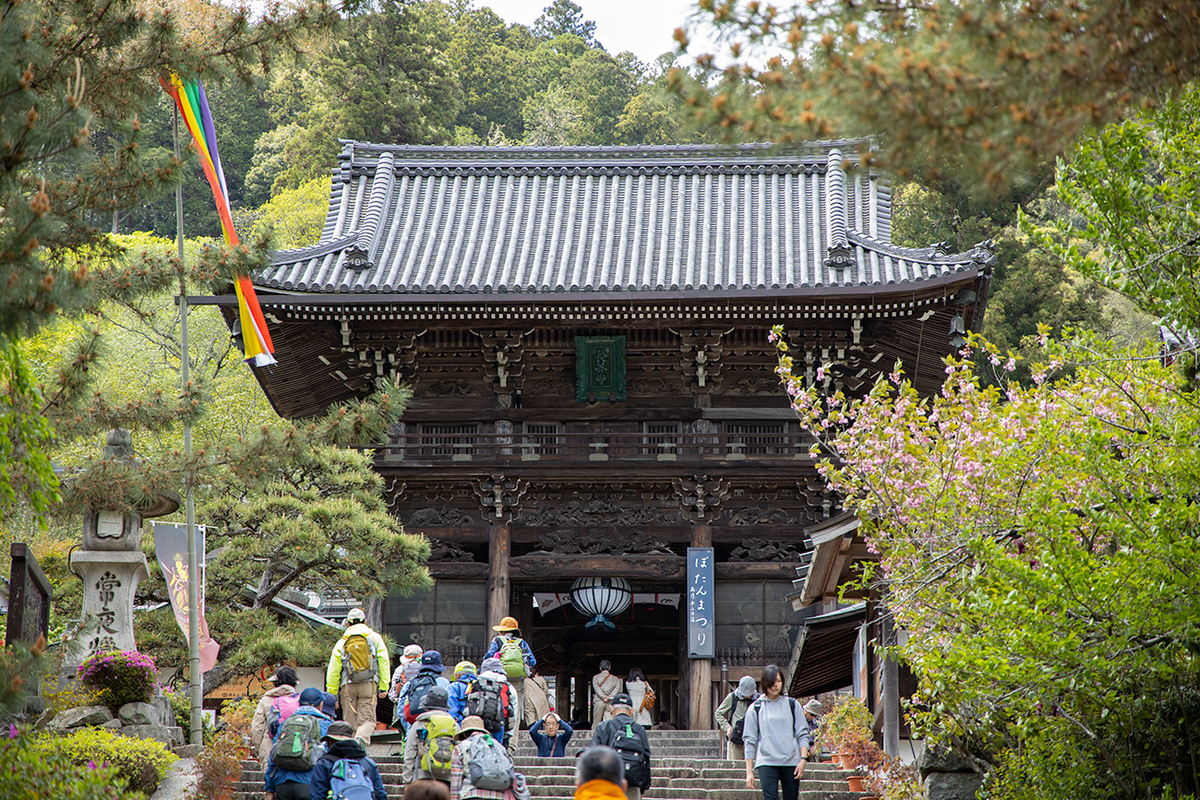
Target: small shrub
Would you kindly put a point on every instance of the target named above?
(220, 764)
(121, 676)
(181, 707)
(142, 762)
(21, 665)
(29, 772)
(847, 724)
(891, 779)
(864, 755)
(75, 695)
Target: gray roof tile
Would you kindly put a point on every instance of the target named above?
(441, 220)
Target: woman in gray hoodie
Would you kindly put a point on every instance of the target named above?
(776, 739)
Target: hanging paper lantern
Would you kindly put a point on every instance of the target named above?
(602, 598)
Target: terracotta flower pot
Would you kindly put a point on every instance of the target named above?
(855, 782)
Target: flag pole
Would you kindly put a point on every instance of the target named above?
(194, 677)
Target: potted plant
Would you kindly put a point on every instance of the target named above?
(843, 728)
(866, 758)
(893, 780)
(855, 782)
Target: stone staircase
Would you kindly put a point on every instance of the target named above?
(686, 765)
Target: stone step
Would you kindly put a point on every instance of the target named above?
(697, 772)
(655, 752)
(809, 790)
(674, 779)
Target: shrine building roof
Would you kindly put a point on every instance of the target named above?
(632, 220)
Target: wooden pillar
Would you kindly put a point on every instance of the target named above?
(583, 704)
(499, 550)
(890, 686)
(700, 711)
(562, 696)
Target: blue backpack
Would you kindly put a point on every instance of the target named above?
(349, 781)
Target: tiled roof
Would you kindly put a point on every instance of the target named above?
(441, 220)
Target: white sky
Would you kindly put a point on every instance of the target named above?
(644, 27)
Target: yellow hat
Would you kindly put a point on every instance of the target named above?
(506, 624)
(461, 667)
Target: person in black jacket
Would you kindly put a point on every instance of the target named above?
(341, 744)
(629, 739)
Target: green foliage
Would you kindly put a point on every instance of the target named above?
(1037, 543)
(181, 707)
(220, 764)
(564, 17)
(73, 154)
(266, 165)
(387, 80)
(296, 216)
(21, 665)
(1054, 762)
(848, 722)
(26, 474)
(142, 762)
(1135, 188)
(74, 695)
(34, 772)
(975, 89)
(120, 676)
(491, 65)
(1029, 288)
(296, 480)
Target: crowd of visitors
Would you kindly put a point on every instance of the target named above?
(457, 730)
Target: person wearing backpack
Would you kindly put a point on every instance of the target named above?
(516, 657)
(345, 772)
(776, 739)
(277, 703)
(629, 739)
(430, 740)
(460, 686)
(481, 767)
(358, 673)
(408, 704)
(813, 710)
(407, 667)
(731, 716)
(494, 699)
(296, 750)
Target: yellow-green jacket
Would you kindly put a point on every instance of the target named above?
(333, 674)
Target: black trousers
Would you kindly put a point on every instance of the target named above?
(292, 790)
(772, 777)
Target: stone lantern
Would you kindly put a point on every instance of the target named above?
(112, 564)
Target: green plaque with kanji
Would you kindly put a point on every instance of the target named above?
(599, 368)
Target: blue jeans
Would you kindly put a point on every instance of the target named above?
(772, 777)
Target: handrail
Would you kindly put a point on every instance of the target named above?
(594, 446)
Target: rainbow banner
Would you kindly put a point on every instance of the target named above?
(193, 107)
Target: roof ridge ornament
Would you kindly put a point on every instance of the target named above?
(840, 255)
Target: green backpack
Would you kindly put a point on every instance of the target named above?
(512, 657)
(435, 745)
(298, 745)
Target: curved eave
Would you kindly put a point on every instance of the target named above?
(270, 295)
